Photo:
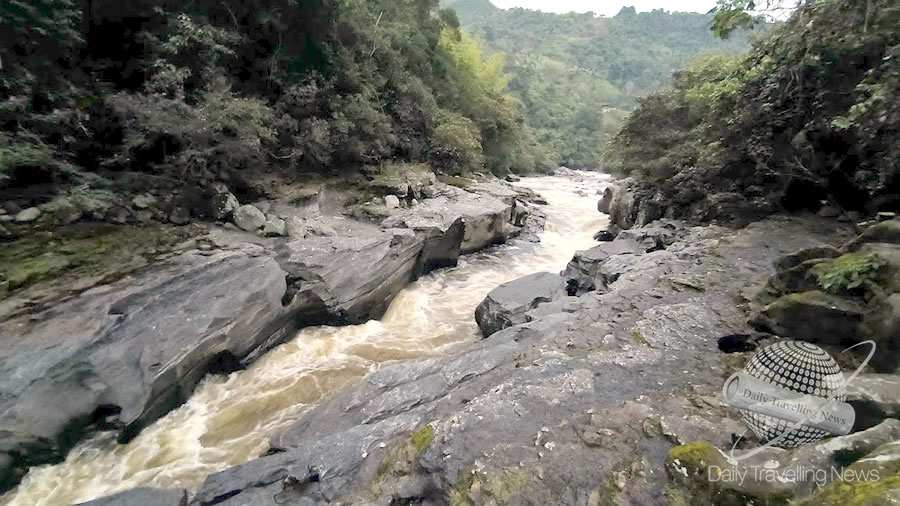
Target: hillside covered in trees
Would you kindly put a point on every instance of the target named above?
(811, 115)
(578, 75)
(206, 90)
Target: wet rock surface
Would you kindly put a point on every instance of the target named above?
(839, 296)
(118, 355)
(580, 405)
(510, 303)
(143, 497)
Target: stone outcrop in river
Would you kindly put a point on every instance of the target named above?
(579, 405)
(120, 355)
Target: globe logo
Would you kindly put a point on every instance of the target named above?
(791, 393)
(800, 367)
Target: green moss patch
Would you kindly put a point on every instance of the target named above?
(458, 181)
(81, 250)
(858, 493)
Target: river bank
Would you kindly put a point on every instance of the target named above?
(346, 278)
(595, 383)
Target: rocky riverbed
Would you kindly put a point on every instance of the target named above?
(596, 384)
(118, 355)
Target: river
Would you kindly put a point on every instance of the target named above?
(228, 420)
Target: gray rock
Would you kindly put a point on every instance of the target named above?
(355, 277)
(508, 304)
(275, 227)
(179, 216)
(223, 202)
(391, 201)
(884, 232)
(654, 236)
(249, 218)
(688, 470)
(143, 201)
(829, 212)
(143, 497)
(797, 258)
(28, 215)
(511, 178)
(606, 200)
(62, 210)
(129, 352)
(296, 228)
(572, 407)
(321, 229)
(605, 235)
(812, 316)
(875, 396)
(583, 274)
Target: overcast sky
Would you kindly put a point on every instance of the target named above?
(608, 7)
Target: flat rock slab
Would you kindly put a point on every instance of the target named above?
(143, 497)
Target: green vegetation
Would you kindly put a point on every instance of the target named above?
(207, 90)
(577, 75)
(811, 114)
(849, 272)
(80, 251)
(422, 438)
(857, 493)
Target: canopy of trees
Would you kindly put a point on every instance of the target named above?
(578, 75)
(812, 114)
(196, 88)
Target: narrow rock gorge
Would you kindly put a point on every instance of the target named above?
(509, 377)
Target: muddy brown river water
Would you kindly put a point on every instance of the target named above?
(228, 420)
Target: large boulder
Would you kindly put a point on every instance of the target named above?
(354, 277)
(884, 232)
(813, 316)
(275, 227)
(509, 303)
(122, 355)
(223, 203)
(457, 222)
(249, 218)
(583, 273)
(654, 236)
(874, 397)
(623, 205)
(606, 200)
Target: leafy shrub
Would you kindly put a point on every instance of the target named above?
(220, 133)
(812, 114)
(25, 159)
(849, 272)
(456, 143)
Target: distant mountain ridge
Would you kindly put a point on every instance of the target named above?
(578, 75)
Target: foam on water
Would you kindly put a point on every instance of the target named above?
(228, 420)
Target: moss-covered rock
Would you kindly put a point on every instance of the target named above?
(813, 316)
(884, 492)
(79, 252)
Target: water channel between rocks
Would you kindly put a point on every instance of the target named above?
(228, 420)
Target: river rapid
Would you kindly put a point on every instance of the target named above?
(229, 419)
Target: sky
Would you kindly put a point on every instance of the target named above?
(608, 8)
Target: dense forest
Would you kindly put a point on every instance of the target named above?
(202, 90)
(810, 115)
(578, 75)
